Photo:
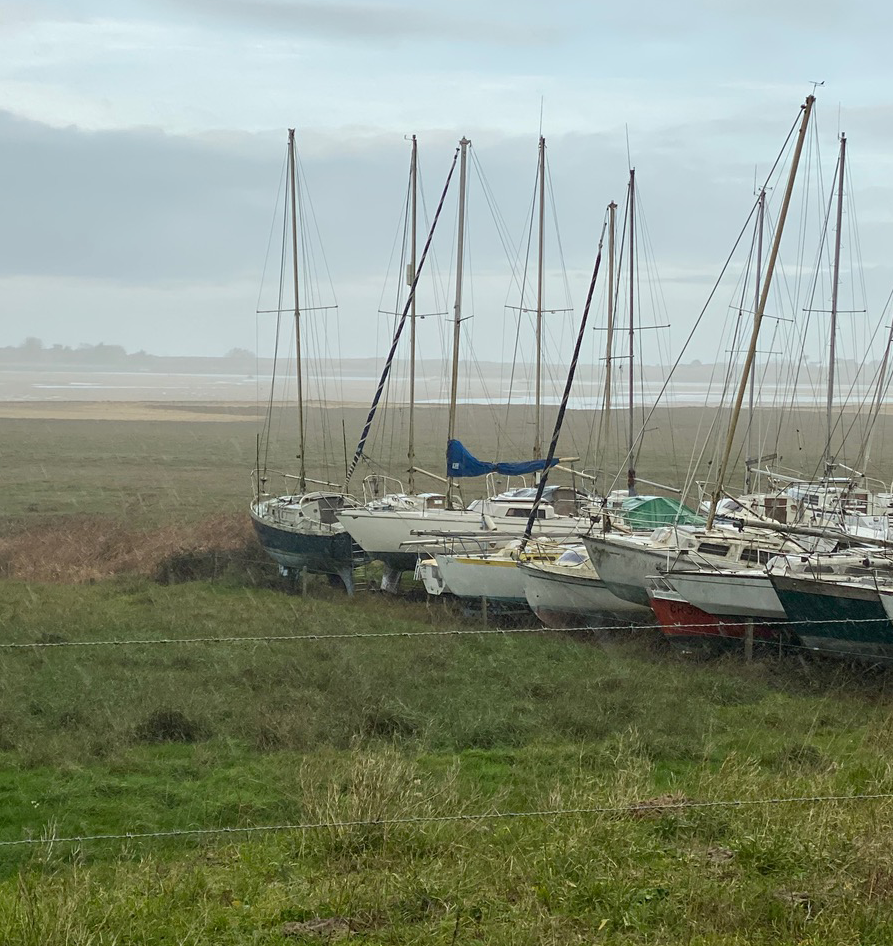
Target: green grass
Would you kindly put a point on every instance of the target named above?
(115, 739)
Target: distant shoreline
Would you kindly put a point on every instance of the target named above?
(220, 411)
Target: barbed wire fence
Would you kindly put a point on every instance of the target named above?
(47, 838)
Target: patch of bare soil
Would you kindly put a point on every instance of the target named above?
(83, 548)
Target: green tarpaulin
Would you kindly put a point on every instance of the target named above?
(649, 512)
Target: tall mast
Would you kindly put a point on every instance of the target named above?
(631, 472)
(835, 286)
(604, 425)
(457, 306)
(538, 429)
(293, 189)
(761, 308)
(761, 216)
(410, 279)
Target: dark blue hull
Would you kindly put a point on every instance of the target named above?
(324, 554)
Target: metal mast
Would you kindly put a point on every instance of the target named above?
(761, 216)
(604, 426)
(457, 306)
(410, 279)
(761, 308)
(631, 471)
(835, 286)
(538, 429)
(293, 190)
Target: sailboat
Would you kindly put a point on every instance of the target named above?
(299, 529)
(395, 527)
(727, 592)
(626, 563)
(567, 592)
(492, 572)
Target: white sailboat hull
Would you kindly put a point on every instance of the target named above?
(497, 579)
(733, 594)
(393, 535)
(567, 600)
(428, 573)
(625, 567)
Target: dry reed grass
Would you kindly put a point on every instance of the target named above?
(80, 548)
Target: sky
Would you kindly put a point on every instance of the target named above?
(142, 146)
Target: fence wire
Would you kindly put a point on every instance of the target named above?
(635, 809)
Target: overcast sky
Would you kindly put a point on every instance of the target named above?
(141, 146)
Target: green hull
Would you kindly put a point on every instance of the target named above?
(838, 618)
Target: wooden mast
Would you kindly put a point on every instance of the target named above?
(457, 306)
(410, 279)
(761, 308)
(835, 286)
(293, 190)
(631, 471)
(538, 428)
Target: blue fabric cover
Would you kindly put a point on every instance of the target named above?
(461, 463)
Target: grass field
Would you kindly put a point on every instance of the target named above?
(143, 738)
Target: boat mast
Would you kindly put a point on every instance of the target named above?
(538, 429)
(631, 472)
(761, 308)
(293, 189)
(605, 420)
(835, 286)
(410, 279)
(457, 306)
(761, 216)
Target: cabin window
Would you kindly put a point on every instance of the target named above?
(713, 548)
(756, 556)
(517, 512)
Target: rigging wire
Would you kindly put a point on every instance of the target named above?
(713, 290)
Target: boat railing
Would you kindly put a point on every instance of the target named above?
(376, 486)
(452, 543)
(508, 483)
(263, 484)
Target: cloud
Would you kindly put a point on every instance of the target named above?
(18, 13)
(132, 206)
(167, 232)
(387, 22)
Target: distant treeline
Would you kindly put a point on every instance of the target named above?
(32, 353)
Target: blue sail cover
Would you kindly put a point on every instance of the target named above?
(461, 463)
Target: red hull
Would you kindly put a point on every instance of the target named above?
(684, 624)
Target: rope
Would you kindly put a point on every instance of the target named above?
(637, 808)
